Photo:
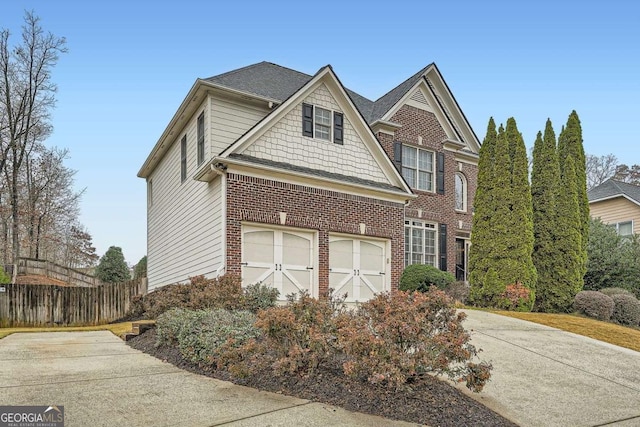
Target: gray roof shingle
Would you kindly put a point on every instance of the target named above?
(315, 172)
(612, 188)
(276, 82)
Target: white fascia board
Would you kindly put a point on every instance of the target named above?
(615, 196)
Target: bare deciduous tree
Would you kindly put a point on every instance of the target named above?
(27, 95)
(600, 168)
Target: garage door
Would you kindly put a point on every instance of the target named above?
(357, 267)
(281, 258)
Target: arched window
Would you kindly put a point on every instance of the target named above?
(461, 192)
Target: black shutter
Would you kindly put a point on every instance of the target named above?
(440, 174)
(442, 240)
(397, 155)
(337, 128)
(307, 120)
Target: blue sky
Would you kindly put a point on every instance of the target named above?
(130, 64)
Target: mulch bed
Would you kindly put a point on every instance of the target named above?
(432, 402)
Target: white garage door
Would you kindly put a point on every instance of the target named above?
(281, 258)
(357, 267)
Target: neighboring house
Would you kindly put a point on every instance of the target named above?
(616, 203)
(295, 181)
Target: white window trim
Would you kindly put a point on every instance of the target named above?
(617, 227)
(464, 192)
(316, 124)
(417, 169)
(425, 226)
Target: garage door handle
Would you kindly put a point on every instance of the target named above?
(311, 268)
(244, 263)
(381, 273)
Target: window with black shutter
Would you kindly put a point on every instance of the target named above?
(307, 120)
(337, 128)
(440, 174)
(442, 247)
(201, 138)
(183, 159)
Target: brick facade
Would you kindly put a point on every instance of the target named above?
(260, 200)
(421, 129)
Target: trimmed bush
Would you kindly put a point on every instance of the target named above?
(516, 297)
(458, 291)
(420, 277)
(203, 335)
(259, 297)
(396, 338)
(201, 293)
(594, 304)
(616, 291)
(626, 310)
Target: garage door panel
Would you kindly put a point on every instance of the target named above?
(296, 250)
(371, 256)
(341, 254)
(259, 244)
(279, 258)
(357, 266)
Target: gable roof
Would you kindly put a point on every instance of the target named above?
(611, 189)
(327, 77)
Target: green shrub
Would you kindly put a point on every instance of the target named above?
(5, 279)
(458, 291)
(203, 335)
(626, 310)
(171, 324)
(420, 277)
(616, 291)
(594, 304)
(395, 338)
(259, 297)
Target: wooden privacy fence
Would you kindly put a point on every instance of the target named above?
(55, 271)
(50, 305)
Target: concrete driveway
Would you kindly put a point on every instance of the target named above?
(546, 377)
(101, 381)
(542, 377)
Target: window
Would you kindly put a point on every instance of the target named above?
(201, 138)
(321, 123)
(149, 193)
(461, 192)
(183, 159)
(624, 228)
(417, 168)
(419, 243)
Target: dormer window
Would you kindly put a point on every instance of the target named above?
(320, 123)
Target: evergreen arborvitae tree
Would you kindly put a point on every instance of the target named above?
(112, 267)
(545, 185)
(140, 270)
(520, 235)
(482, 213)
(569, 259)
(570, 145)
(507, 241)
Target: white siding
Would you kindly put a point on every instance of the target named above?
(284, 142)
(184, 222)
(231, 119)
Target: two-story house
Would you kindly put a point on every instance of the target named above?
(295, 181)
(616, 203)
